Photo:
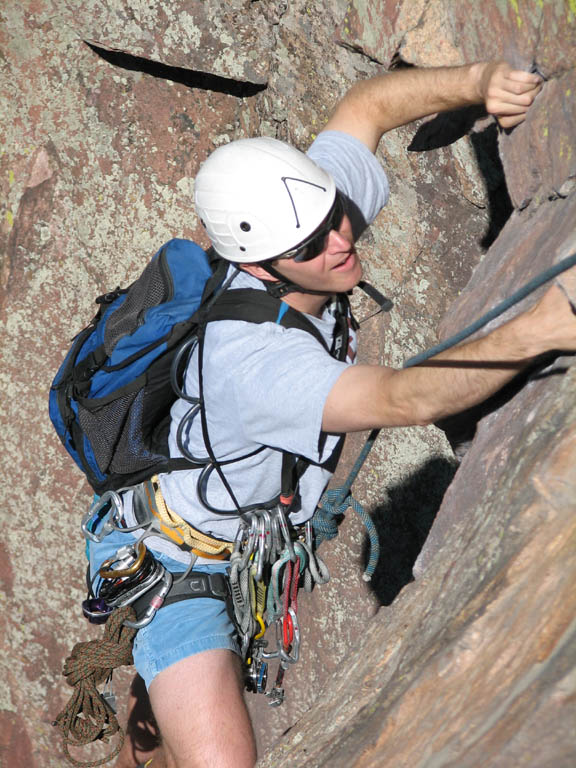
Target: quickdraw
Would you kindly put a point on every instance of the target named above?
(266, 569)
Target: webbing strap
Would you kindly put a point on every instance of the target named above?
(195, 584)
(179, 530)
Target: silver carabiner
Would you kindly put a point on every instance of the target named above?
(113, 516)
(155, 603)
(251, 540)
(261, 548)
(276, 534)
(268, 534)
(286, 533)
(309, 534)
(292, 656)
(241, 537)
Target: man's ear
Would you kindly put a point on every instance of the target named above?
(257, 271)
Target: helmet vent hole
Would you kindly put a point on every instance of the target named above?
(242, 248)
(245, 227)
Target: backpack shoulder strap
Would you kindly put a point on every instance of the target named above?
(254, 306)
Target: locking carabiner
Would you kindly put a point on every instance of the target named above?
(107, 572)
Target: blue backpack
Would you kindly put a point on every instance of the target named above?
(110, 400)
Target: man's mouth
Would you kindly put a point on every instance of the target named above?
(345, 263)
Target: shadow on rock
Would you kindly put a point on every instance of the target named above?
(460, 429)
(445, 129)
(403, 522)
(448, 127)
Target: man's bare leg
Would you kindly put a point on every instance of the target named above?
(199, 707)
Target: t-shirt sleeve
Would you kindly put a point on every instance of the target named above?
(280, 389)
(357, 173)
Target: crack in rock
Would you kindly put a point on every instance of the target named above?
(189, 77)
(359, 50)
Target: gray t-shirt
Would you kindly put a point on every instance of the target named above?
(266, 385)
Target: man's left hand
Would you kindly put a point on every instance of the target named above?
(507, 93)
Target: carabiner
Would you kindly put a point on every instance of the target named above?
(262, 625)
(106, 572)
(114, 514)
(261, 549)
(276, 534)
(309, 534)
(251, 540)
(156, 603)
(267, 530)
(292, 656)
(241, 536)
(286, 533)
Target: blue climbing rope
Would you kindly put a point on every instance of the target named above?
(335, 501)
(499, 309)
(324, 522)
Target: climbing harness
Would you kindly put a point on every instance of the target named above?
(269, 561)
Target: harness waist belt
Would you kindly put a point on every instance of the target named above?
(196, 584)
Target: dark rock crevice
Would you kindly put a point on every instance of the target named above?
(448, 127)
(188, 77)
(360, 51)
(398, 62)
(500, 207)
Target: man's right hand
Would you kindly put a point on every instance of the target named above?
(367, 397)
(551, 322)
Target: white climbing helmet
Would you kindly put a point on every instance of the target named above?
(258, 198)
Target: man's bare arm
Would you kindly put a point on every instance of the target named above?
(365, 397)
(373, 107)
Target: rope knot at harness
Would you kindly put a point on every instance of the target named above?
(334, 504)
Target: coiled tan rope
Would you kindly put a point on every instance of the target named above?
(87, 717)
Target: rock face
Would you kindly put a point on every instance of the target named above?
(471, 663)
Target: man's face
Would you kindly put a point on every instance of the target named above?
(336, 269)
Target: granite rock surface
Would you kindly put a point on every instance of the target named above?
(108, 111)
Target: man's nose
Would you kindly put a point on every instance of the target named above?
(336, 241)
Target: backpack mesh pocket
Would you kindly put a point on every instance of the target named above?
(132, 453)
(112, 429)
(152, 288)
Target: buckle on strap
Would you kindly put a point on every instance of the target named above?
(196, 584)
(206, 585)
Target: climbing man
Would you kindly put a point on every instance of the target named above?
(288, 221)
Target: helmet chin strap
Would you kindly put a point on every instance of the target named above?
(284, 287)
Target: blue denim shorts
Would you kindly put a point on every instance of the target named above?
(178, 630)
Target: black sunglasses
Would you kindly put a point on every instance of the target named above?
(315, 244)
